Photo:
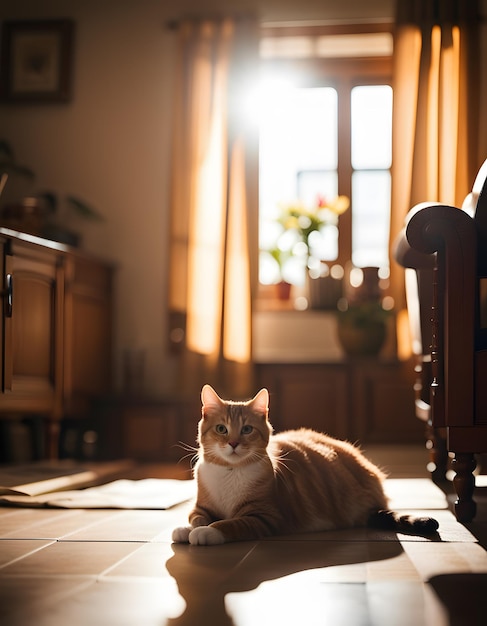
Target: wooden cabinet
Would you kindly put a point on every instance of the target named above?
(365, 400)
(56, 322)
(32, 321)
(87, 331)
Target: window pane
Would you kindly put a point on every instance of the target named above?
(298, 132)
(371, 127)
(371, 193)
(298, 161)
(372, 153)
(314, 183)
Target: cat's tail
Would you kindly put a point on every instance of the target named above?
(408, 524)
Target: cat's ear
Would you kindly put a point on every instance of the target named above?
(209, 397)
(260, 402)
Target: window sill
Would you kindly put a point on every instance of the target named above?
(290, 336)
(269, 298)
(282, 334)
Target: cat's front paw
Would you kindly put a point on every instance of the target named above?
(181, 534)
(206, 536)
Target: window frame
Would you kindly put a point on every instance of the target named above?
(343, 74)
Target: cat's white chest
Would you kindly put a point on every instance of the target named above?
(228, 487)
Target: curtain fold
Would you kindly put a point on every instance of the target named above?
(436, 109)
(214, 205)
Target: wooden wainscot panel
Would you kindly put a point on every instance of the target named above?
(312, 396)
(383, 402)
(151, 430)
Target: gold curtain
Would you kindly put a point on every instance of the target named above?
(436, 109)
(214, 205)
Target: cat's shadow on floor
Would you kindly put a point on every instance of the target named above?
(206, 574)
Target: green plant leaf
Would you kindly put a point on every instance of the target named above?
(6, 153)
(363, 314)
(8, 164)
(50, 199)
(83, 209)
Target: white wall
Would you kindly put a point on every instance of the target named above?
(111, 143)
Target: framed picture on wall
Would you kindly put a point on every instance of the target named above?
(36, 61)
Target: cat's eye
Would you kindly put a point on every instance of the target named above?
(246, 430)
(221, 429)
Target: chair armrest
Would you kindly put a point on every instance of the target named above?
(451, 234)
(404, 253)
(409, 257)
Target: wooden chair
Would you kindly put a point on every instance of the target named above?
(446, 248)
(419, 281)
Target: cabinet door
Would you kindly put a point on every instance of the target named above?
(32, 367)
(87, 333)
(6, 303)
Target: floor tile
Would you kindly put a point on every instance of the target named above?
(449, 529)
(123, 526)
(341, 604)
(446, 558)
(23, 599)
(177, 516)
(70, 559)
(271, 560)
(54, 524)
(11, 550)
(12, 519)
(194, 567)
(149, 560)
(415, 493)
(463, 597)
(110, 603)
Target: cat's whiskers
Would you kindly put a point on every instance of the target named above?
(193, 459)
(192, 453)
(240, 457)
(254, 456)
(186, 446)
(281, 461)
(282, 468)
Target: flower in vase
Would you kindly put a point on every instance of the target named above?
(299, 236)
(304, 220)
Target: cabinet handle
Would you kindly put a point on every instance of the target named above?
(9, 296)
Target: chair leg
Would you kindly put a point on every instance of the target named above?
(464, 483)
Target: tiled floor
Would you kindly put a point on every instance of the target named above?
(116, 568)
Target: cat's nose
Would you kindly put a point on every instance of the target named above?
(234, 444)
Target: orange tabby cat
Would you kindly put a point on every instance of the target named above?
(252, 483)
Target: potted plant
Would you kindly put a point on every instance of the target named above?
(301, 236)
(9, 167)
(60, 210)
(283, 287)
(307, 222)
(46, 213)
(362, 327)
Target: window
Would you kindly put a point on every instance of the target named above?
(371, 157)
(325, 129)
